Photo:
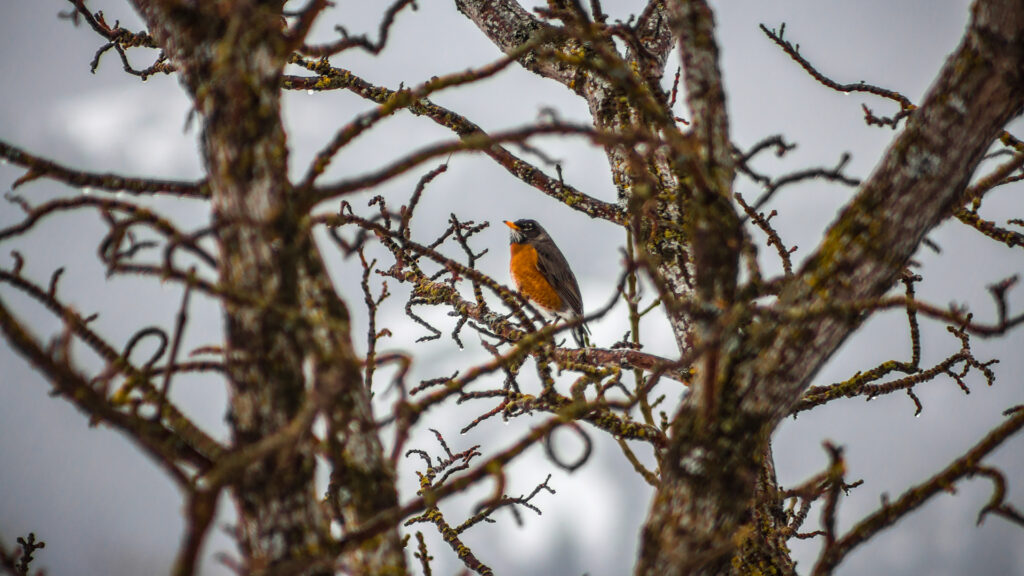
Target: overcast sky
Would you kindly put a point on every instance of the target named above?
(104, 509)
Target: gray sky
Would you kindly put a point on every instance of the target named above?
(104, 509)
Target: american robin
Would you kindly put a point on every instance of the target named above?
(541, 274)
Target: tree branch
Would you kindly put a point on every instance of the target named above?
(913, 189)
(39, 167)
(333, 78)
(965, 466)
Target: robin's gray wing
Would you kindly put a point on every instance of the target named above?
(555, 269)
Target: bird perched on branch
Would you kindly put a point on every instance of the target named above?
(541, 274)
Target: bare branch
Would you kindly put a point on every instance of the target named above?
(163, 444)
(346, 42)
(41, 168)
(528, 173)
(17, 563)
(794, 53)
(915, 497)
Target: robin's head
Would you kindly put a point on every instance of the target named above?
(525, 231)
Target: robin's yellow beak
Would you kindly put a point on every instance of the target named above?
(511, 225)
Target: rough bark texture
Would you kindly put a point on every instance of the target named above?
(709, 474)
(290, 339)
(716, 473)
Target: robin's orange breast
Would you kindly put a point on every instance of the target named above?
(529, 280)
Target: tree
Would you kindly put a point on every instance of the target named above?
(748, 344)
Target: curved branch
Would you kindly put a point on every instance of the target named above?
(362, 41)
(778, 37)
(195, 445)
(162, 444)
(915, 497)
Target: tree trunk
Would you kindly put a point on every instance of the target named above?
(710, 470)
(288, 334)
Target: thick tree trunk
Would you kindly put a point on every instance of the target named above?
(710, 471)
(288, 335)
